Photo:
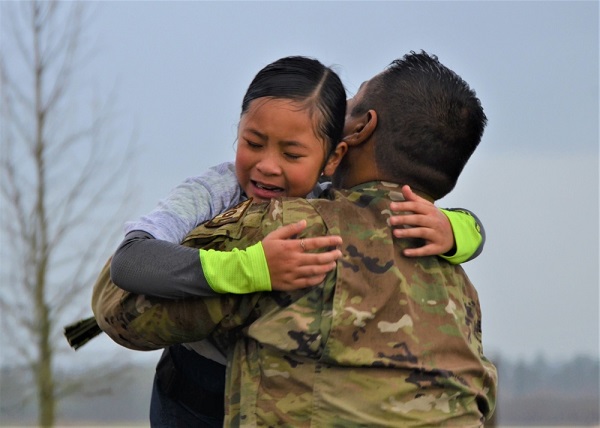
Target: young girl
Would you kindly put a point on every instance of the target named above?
(292, 119)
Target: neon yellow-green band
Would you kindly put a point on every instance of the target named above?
(466, 236)
(237, 271)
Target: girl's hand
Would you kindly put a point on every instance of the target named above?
(426, 221)
(291, 264)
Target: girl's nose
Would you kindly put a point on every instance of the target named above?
(269, 165)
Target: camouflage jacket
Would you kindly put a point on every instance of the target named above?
(385, 340)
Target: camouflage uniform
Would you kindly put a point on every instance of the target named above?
(385, 340)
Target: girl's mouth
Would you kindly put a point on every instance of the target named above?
(267, 187)
(266, 191)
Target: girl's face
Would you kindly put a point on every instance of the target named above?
(278, 152)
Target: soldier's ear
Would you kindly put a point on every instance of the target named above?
(361, 128)
(335, 158)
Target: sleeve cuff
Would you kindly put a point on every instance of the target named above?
(467, 236)
(237, 271)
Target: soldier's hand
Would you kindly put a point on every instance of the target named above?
(292, 265)
(425, 221)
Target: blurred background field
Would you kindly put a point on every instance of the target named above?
(534, 393)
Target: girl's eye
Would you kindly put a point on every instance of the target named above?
(293, 156)
(253, 145)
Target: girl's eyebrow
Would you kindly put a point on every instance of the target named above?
(258, 134)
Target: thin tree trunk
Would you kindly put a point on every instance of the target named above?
(55, 170)
(44, 373)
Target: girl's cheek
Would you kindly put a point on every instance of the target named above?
(244, 156)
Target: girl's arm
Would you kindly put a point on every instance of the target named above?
(143, 265)
(196, 200)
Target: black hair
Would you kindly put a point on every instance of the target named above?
(429, 122)
(310, 83)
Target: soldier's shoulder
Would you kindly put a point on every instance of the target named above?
(232, 215)
(229, 223)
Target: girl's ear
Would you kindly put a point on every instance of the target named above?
(335, 158)
(362, 128)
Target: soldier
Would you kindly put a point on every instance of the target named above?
(385, 340)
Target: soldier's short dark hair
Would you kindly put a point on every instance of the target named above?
(429, 122)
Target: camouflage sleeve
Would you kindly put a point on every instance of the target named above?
(147, 323)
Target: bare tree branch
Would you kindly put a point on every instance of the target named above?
(57, 168)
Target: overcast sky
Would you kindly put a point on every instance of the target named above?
(180, 70)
